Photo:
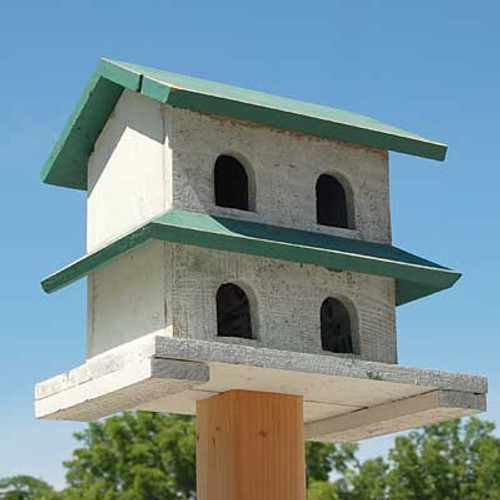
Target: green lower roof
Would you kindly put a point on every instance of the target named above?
(67, 164)
(415, 277)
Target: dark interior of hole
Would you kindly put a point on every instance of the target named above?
(331, 202)
(335, 327)
(233, 312)
(231, 183)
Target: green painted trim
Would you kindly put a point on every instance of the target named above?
(67, 164)
(415, 277)
(96, 260)
(155, 90)
(305, 124)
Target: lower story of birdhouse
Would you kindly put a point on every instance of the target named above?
(181, 291)
(173, 324)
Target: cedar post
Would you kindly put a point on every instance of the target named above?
(250, 447)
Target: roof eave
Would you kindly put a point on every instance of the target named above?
(413, 280)
(67, 163)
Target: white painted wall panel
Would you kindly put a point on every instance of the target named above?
(128, 170)
(127, 299)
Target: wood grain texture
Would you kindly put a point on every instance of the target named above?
(250, 446)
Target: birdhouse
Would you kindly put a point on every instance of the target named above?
(239, 240)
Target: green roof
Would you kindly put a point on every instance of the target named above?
(415, 277)
(67, 164)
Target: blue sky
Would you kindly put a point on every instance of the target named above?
(430, 67)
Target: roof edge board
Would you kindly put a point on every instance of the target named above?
(156, 90)
(84, 125)
(67, 163)
(171, 91)
(318, 256)
(287, 120)
(127, 78)
(248, 100)
(413, 281)
(93, 261)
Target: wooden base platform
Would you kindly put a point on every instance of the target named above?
(343, 399)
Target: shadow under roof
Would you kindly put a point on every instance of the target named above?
(67, 164)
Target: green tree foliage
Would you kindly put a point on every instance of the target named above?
(457, 460)
(322, 490)
(26, 488)
(450, 461)
(369, 481)
(135, 456)
(322, 459)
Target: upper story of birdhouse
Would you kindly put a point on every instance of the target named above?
(143, 142)
(152, 157)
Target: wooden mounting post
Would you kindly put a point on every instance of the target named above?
(250, 447)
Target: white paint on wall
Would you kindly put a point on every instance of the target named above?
(128, 171)
(127, 299)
